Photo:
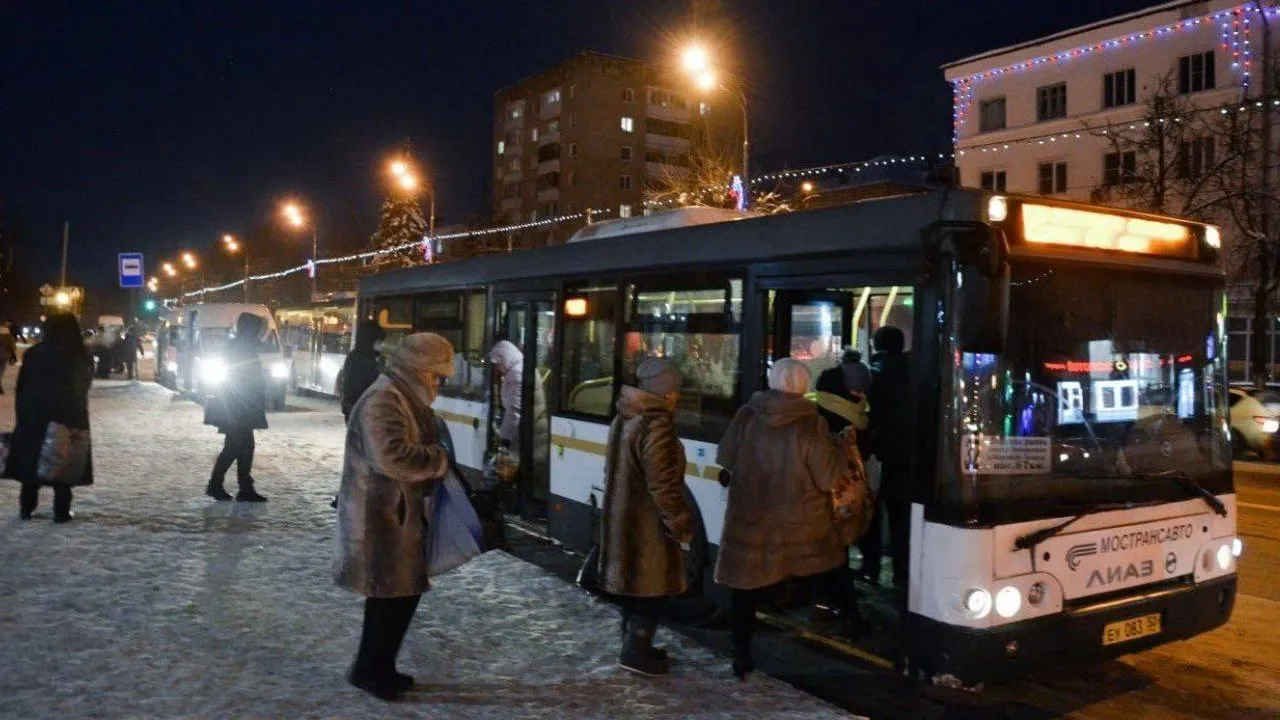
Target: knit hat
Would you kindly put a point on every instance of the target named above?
(658, 376)
(423, 352)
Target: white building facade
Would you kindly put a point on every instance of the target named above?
(1029, 118)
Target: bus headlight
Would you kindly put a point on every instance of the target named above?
(213, 371)
(1008, 601)
(279, 370)
(1212, 238)
(1237, 547)
(977, 602)
(1224, 557)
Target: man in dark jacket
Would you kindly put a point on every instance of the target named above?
(849, 380)
(361, 367)
(891, 436)
(130, 349)
(237, 409)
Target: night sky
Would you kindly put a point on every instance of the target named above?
(157, 126)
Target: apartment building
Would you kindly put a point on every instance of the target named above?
(1030, 118)
(594, 132)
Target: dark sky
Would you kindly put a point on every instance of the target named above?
(156, 126)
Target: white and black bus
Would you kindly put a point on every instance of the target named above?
(1071, 477)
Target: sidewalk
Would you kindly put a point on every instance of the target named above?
(156, 602)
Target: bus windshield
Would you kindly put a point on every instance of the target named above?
(1110, 382)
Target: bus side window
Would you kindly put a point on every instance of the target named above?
(586, 365)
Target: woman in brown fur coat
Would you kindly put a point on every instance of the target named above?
(782, 462)
(646, 514)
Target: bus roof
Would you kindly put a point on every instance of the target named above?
(881, 225)
(662, 220)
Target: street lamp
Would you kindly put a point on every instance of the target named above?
(169, 270)
(408, 181)
(696, 62)
(293, 215)
(189, 260)
(229, 241)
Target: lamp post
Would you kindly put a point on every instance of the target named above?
(696, 62)
(293, 215)
(232, 245)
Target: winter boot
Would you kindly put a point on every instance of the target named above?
(382, 688)
(216, 491)
(247, 493)
(637, 652)
(657, 652)
(743, 663)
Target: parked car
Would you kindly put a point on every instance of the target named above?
(1255, 421)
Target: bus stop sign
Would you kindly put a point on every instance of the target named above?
(131, 270)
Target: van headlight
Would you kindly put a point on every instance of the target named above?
(1008, 601)
(213, 371)
(279, 370)
(977, 602)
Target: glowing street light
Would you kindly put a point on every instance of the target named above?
(696, 62)
(293, 215)
(189, 260)
(706, 80)
(399, 168)
(169, 270)
(407, 180)
(806, 186)
(695, 59)
(62, 298)
(229, 241)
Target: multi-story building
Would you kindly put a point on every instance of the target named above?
(593, 133)
(1046, 116)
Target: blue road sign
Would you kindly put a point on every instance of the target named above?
(131, 270)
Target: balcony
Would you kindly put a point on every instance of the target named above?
(510, 204)
(546, 194)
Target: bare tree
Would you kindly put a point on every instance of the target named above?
(1208, 164)
(704, 178)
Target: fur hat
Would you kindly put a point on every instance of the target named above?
(423, 352)
(658, 376)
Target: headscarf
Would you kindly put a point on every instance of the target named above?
(658, 376)
(789, 375)
(419, 353)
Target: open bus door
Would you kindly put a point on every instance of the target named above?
(528, 322)
(812, 327)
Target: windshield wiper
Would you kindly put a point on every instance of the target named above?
(1191, 486)
(1035, 537)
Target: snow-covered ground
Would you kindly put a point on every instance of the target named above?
(157, 602)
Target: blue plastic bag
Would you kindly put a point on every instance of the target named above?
(455, 532)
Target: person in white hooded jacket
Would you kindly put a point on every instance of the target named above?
(508, 362)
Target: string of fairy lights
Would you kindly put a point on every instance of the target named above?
(1235, 28)
(427, 243)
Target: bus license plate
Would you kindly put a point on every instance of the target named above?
(1132, 629)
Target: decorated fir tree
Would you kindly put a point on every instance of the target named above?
(401, 223)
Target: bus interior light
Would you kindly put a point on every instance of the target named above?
(575, 307)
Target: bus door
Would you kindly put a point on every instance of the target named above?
(528, 322)
(812, 327)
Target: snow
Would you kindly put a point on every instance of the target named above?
(157, 602)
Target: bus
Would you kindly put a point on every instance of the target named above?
(317, 338)
(1071, 491)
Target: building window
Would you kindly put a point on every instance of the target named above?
(626, 182)
(573, 179)
(1195, 72)
(1119, 167)
(1051, 102)
(573, 120)
(624, 211)
(628, 95)
(573, 149)
(626, 153)
(533, 163)
(552, 97)
(992, 180)
(514, 165)
(553, 126)
(667, 99)
(628, 124)
(511, 190)
(533, 134)
(573, 90)
(1053, 177)
(502, 147)
(1195, 158)
(704, 109)
(1118, 88)
(516, 110)
(991, 115)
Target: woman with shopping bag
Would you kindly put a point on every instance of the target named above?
(50, 444)
(393, 462)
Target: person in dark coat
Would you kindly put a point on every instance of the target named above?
(8, 352)
(238, 407)
(53, 386)
(392, 461)
(362, 366)
(850, 380)
(891, 437)
(646, 516)
(130, 349)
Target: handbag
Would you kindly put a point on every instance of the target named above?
(852, 502)
(6, 443)
(454, 531)
(64, 455)
(488, 508)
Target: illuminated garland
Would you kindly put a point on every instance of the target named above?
(1236, 31)
(387, 251)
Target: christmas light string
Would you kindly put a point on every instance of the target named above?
(1235, 27)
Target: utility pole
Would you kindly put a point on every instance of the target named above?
(66, 233)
